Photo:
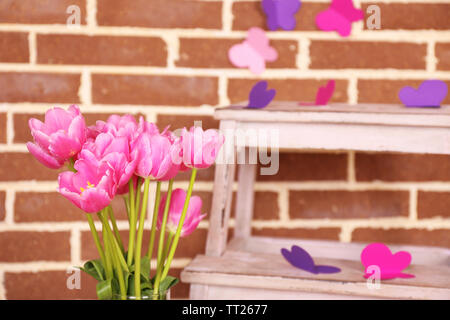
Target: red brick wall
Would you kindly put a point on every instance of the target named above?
(167, 60)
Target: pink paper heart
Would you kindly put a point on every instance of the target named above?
(390, 265)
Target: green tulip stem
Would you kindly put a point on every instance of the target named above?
(154, 219)
(112, 245)
(115, 228)
(138, 193)
(180, 226)
(133, 220)
(166, 249)
(137, 273)
(162, 234)
(96, 238)
(108, 264)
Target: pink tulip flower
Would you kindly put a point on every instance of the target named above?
(200, 148)
(91, 188)
(155, 153)
(193, 214)
(115, 151)
(118, 126)
(59, 138)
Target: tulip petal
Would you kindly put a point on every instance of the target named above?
(77, 129)
(43, 157)
(62, 146)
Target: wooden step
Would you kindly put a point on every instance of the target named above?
(255, 269)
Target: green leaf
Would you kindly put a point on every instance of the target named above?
(95, 269)
(145, 267)
(167, 283)
(105, 290)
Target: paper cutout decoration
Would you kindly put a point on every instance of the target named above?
(253, 52)
(281, 13)
(259, 96)
(391, 265)
(323, 95)
(339, 17)
(301, 259)
(430, 94)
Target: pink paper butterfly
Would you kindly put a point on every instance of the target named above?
(253, 52)
(339, 16)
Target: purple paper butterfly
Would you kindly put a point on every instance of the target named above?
(259, 96)
(301, 259)
(281, 13)
(429, 94)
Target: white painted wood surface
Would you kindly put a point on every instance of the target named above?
(252, 267)
(266, 269)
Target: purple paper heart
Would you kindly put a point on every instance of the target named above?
(281, 13)
(259, 96)
(301, 259)
(430, 93)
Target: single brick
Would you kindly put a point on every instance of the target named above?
(160, 14)
(340, 204)
(247, 14)
(287, 89)
(14, 46)
(265, 205)
(177, 121)
(309, 167)
(202, 175)
(39, 87)
(386, 91)
(23, 166)
(53, 207)
(402, 167)
(213, 53)
(301, 233)
(40, 12)
(2, 127)
(417, 16)
(23, 246)
(154, 90)
(48, 285)
(442, 51)
(437, 237)
(432, 204)
(2, 205)
(101, 50)
(328, 54)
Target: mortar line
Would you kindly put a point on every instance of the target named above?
(32, 47)
(75, 246)
(283, 204)
(85, 90)
(351, 174)
(30, 186)
(2, 285)
(303, 59)
(223, 91)
(431, 60)
(9, 128)
(413, 204)
(368, 73)
(383, 35)
(227, 15)
(91, 11)
(9, 207)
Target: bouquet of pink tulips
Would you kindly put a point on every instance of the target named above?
(122, 157)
